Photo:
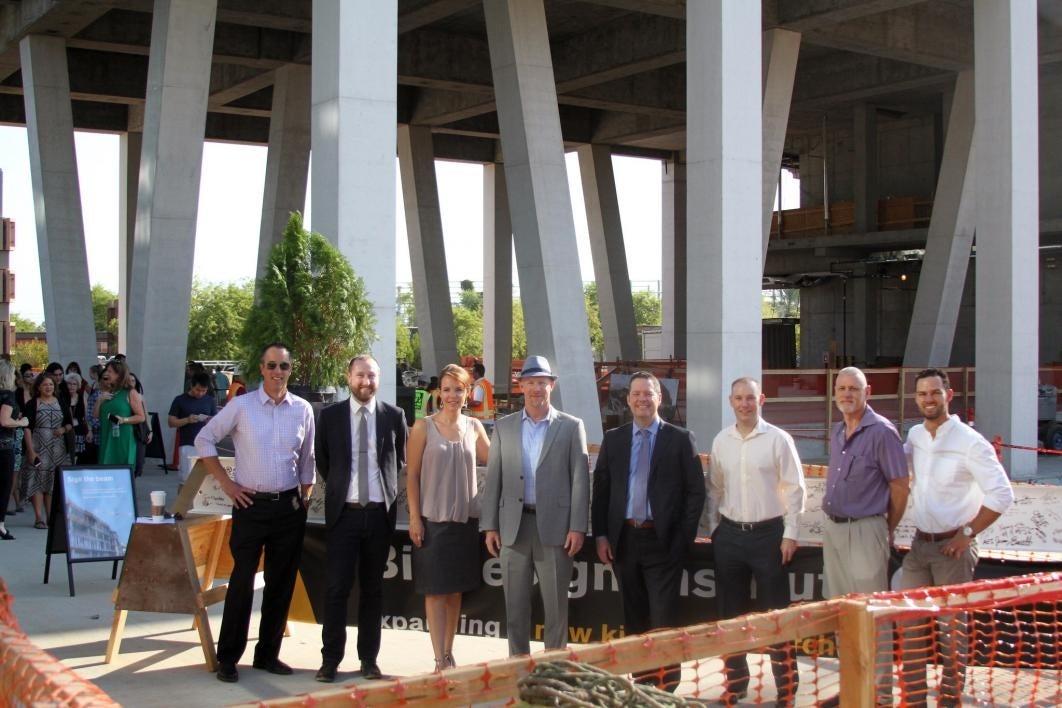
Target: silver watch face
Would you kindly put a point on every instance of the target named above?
(967, 531)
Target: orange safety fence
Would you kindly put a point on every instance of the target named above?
(29, 676)
(992, 642)
(998, 444)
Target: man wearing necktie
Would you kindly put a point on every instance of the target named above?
(361, 448)
(647, 502)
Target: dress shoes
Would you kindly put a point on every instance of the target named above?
(228, 673)
(276, 666)
(370, 670)
(327, 673)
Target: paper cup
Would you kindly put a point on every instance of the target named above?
(158, 506)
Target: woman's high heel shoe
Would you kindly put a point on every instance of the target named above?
(448, 659)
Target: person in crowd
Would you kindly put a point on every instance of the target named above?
(221, 385)
(866, 495)
(441, 484)
(78, 416)
(49, 422)
(236, 388)
(24, 384)
(118, 408)
(647, 502)
(56, 372)
(361, 450)
(75, 368)
(189, 412)
(92, 436)
(11, 420)
(481, 405)
(958, 489)
(756, 493)
(536, 505)
(273, 433)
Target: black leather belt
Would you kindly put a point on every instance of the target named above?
(356, 506)
(934, 537)
(529, 508)
(751, 525)
(274, 496)
(849, 519)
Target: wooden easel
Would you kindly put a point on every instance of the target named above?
(170, 568)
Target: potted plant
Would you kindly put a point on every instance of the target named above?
(309, 298)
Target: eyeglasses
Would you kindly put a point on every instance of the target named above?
(284, 366)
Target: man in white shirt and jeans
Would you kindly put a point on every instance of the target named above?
(756, 494)
(958, 489)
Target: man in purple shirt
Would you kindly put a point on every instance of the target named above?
(866, 496)
(273, 433)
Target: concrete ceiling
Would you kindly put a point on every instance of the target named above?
(619, 64)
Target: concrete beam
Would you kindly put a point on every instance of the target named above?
(865, 166)
(673, 255)
(608, 252)
(130, 147)
(497, 279)
(821, 14)
(781, 48)
(57, 201)
(432, 12)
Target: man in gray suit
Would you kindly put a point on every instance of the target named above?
(535, 506)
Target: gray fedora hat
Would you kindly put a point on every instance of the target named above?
(537, 366)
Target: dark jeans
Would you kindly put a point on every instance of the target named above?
(278, 528)
(739, 557)
(357, 544)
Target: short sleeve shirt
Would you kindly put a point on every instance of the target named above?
(862, 466)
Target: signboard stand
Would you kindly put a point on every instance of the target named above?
(93, 510)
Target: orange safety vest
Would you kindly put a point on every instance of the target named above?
(483, 410)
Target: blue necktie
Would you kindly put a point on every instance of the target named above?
(640, 488)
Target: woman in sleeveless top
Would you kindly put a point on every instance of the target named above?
(442, 454)
(49, 421)
(118, 409)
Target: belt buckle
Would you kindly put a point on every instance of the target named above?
(274, 496)
(746, 525)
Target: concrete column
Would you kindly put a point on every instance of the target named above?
(288, 158)
(673, 247)
(537, 182)
(610, 256)
(130, 145)
(725, 169)
(182, 40)
(951, 233)
(1007, 292)
(353, 135)
(427, 253)
(497, 279)
(865, 167)
(864, 304)
(780, 51)
(57, 200)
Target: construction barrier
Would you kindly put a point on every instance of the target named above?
(30, 676)
(992, 642)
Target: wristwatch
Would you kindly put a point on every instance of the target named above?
(967, 531)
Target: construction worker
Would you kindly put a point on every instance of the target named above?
(481, 405)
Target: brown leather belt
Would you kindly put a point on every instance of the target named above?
(934, 537)
(635, 524)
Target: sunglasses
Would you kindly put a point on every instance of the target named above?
(284, 366)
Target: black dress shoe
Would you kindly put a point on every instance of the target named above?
(276, 666)
(370, 670)
(228, 673)
(6, 536)
(327, 673)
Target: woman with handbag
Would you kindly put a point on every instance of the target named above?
(49, 422)
(119, 409)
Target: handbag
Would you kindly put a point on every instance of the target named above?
(141, 432)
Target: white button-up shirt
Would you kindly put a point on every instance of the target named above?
(756, 478)
(375, 487)
(955, 473)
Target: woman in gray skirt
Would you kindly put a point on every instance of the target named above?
(441, 455)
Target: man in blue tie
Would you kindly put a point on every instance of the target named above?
(647, 502)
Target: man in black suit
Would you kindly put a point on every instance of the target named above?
(360, 448)
(647, 502)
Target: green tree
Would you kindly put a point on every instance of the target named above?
(25, 324)
(471, 299)
(468, 331)
(647, 308)
(519, 332)
(102, 300)
(217, 318)
(781, 303)
(593, 320)
(407, 338)
(34, 352)
(310, 299)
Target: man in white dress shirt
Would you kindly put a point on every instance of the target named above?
(959, 489)
(756, 494)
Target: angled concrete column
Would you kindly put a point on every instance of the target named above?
(288, 158)
(951, 233)
(130, 145)
(57, 200)
(673, 248)
(537, 182)
(497, 279)
(427, 254)
(725, 170)
(1007, 293)
(182, 40)
(608, 253)
(353, 133)
(865, 167)
(781, 48)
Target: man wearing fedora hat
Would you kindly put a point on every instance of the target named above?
(535, 506)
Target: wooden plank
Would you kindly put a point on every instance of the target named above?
(114, 643)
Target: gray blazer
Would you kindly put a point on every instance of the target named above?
(562, 480)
